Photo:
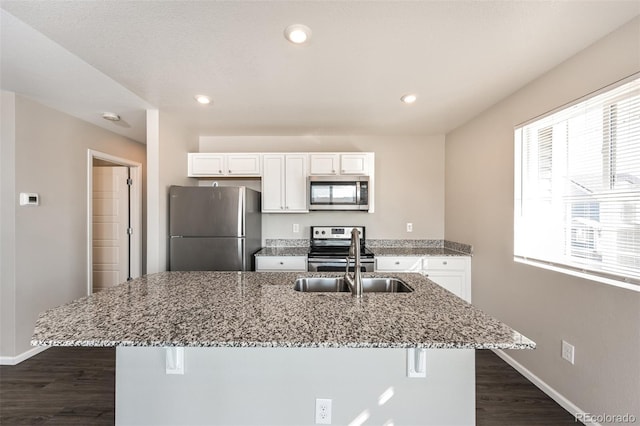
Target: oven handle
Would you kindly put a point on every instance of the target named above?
(337, 260)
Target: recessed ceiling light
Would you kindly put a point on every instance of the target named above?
(111, 116)
(297, 33)
(204, 100)
(409, 98)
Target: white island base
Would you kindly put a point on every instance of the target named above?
(279, 386)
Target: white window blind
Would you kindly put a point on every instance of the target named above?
(577, 187)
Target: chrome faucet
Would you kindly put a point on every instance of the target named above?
(355, 282)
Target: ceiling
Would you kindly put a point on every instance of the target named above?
(459, 57)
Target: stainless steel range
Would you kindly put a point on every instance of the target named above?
(330, 248)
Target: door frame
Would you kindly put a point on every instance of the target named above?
(135, 170)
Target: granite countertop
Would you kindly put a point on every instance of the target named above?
(261, 309)
(378, 251)
(283, 251)
(415, 251)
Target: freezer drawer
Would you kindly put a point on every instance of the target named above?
(208, 254)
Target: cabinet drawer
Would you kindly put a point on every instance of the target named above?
(281, 263)
(444, 263)
(404, 263)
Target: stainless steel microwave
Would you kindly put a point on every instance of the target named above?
(339, 193)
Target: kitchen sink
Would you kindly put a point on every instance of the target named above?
(338, 284)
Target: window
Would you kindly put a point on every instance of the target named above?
(577, 187)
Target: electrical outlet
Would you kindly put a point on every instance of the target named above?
(568, 352)
(323, 411)
(296, 228)
(409, 227)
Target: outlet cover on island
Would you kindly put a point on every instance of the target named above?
(323, 411)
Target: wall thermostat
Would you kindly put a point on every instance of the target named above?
(29, 199)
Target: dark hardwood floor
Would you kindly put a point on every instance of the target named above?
(76, 386)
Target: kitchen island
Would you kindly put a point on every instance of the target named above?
(259, 352)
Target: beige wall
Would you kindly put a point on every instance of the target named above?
(7, 224)
(409, 183)
(50, 240)
(174, 144)
(601, 321)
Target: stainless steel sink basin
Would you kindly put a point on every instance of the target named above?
(338, 284)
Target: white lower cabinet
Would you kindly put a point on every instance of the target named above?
(450, 272)
(281, 263)
(399, 264)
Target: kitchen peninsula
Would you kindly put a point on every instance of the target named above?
(259, 352)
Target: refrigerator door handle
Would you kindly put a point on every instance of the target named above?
(241, 208)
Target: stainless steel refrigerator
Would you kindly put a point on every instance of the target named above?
(213, 228)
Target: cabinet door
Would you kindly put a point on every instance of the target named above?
(354, 164)
(295, 185)
(323, 164)
(450, 272)
(273, 168)
(203, 164)
(454, 282)
(243, 164)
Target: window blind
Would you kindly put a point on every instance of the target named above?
(577, 186)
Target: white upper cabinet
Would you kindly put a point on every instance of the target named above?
(340, 163)
(354, 164)
(324, 164)
(203, 164)
(284, 183)
(243, 164)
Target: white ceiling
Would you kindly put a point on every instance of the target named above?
(460, 57)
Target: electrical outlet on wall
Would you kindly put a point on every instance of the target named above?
(323, 411)
(296, 228)
(409, 227)
(568, 352)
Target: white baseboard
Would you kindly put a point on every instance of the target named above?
(573, 409)
(13, 360)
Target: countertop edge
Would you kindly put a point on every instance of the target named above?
(332, 345)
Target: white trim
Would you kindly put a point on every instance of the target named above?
(13, 360)
(136, 212)
(153, 194)
(581, 99)
(573, 409)
(585, 275)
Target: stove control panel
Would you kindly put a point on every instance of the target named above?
(334, 232)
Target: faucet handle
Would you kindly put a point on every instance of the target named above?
(346, 270)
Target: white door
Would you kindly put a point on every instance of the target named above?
(110, 224)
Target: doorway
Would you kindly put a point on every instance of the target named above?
(114, 221)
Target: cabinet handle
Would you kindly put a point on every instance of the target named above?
(281, 208)
(343, 171)
(282, 263)
(444, 262)
(397, 262)
(333, 171)
(229, 171)
(220, 171)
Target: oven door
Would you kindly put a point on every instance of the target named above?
(337, 265)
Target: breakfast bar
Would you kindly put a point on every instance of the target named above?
(246, 348)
